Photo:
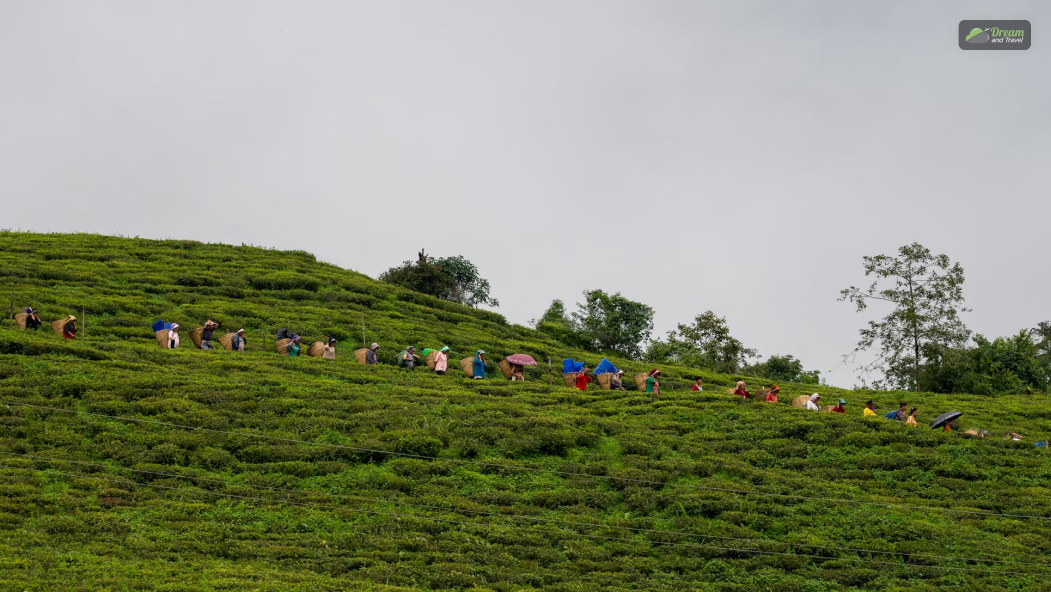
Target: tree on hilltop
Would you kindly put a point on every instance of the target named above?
(449, 278)
(602, 323)
(926, 295)
(784, 369)
(611, 322)
(704, 343)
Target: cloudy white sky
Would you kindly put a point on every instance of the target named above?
(733, 156)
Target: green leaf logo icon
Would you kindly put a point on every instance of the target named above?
(977, 36)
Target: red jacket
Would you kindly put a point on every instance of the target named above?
(839, 409)
(583, 380)
(742, 392)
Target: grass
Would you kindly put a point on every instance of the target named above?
(308, 473)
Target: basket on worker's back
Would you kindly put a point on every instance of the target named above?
(162, 337)
(57, 326)
(227, 341)
(505, 367)
(570, 378)
(467, 365)
(605, 380)
(20, 319)
(282, 346)
(359, 354)
(195, 336)
(429, 358)
(640, 380)
(316, 349)
(800, 401)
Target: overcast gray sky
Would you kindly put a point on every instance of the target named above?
(733, 156)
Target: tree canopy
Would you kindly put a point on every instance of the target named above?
(613, 323)
(706, 342)
(602, 323)
(925, 292)
(1005, 365)
(784, 369)
(449, 278)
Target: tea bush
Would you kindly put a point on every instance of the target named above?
(312, 474)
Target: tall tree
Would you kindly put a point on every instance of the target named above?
(706, 342)
(613, 323)
(925, 292)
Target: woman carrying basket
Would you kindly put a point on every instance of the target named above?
(441, 360)
(69, 330)
(583, 378)
(238, 342)
(206, 336)
(32, 320)
(478, 366)
(652, 386)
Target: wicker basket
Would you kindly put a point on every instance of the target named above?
(56, 326)
(195, 336)
(359, 354)
(430, 359)
(162, 337)
(467, 365)
(571, 379)
(227, 341)
(640, 380)
(20, 318)
(800, 401)
(828, 407)
(282, 346)
(505, 367)
(605, 380)
(316, 349)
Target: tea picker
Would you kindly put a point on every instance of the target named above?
(944, 420)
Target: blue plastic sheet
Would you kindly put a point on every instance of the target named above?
(569, 365)
(605, 366)
(161, 325)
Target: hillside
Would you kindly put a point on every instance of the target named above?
(125, 466)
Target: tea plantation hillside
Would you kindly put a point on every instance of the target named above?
(124, 466)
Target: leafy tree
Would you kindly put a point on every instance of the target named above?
(926, 292)
(468, 287)
(786, 369)
(612, 323)
(448, 278)
(704, 343)
(1006, 365)
(421, 276)
(1042, 334)
(559, 325)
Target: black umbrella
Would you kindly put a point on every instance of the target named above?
(945, 418)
